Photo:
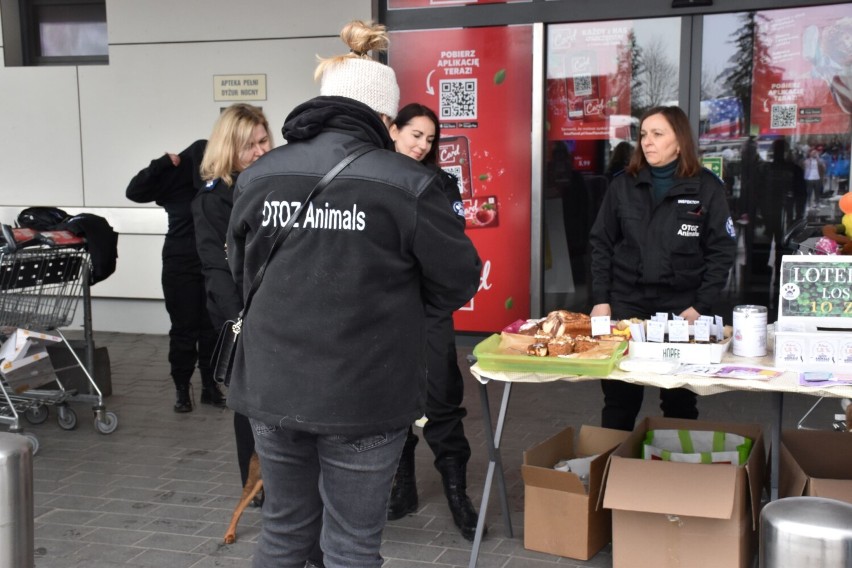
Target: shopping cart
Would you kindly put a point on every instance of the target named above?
(40, 287)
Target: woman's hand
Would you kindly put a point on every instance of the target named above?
(174, 158)
(690, 314)
(601, 310)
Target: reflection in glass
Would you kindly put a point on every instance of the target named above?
(601, 77)
(775, 125)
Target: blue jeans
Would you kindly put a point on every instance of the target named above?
(332, 486)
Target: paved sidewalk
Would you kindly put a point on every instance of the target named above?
(160, 490)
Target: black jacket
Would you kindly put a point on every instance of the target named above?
(171, 187)
(684, 246)
(334, 341)
(211, 210)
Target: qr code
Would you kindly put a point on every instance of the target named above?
(456, 171)
(783, 116)
(583, 85)
(458, 99)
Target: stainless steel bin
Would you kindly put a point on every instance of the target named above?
(806, 532)
(16, 501)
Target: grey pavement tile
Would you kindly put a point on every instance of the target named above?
(217, 562)
(138, 481)
(178, 526)
(181, 512)
(162, 558)
(51, 531)
(128, 507)
(119, 521)
(122, 537)
(81, 489)
(175, 542)
(216, 547)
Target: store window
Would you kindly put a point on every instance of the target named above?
(776, 99)
(601, 77)
(54, 32)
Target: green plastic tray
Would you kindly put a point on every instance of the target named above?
(490, 358)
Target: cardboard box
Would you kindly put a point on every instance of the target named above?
(667, 514)
(816, 463)
(560, 516)
(813, 351)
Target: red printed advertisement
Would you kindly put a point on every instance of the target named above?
(802, 72)
(479, 83)
(588, 81)
(397, 4)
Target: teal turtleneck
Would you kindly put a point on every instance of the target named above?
(662, 180)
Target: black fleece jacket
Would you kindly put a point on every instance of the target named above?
(334, 340)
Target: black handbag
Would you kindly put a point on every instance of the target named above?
(222, 359)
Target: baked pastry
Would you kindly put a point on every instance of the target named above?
(561, 345)
(584, 343)
(530, 327)
(537, 349)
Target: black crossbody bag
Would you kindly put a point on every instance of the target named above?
(222, 360)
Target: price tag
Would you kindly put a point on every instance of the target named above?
(701, 329)
(656, 331)
(679, 331)
(601, 325)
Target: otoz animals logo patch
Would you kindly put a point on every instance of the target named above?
(729, 226)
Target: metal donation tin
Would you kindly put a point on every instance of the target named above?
(749, 331)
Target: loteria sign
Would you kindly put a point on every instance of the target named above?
(815, 293)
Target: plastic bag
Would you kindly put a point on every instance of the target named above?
(696, 446)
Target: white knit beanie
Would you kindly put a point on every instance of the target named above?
(364, 80)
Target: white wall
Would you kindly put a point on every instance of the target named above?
(73, 137)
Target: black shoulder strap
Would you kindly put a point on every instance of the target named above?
(285, 230)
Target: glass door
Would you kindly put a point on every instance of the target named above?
(776, 99)
(601, 77)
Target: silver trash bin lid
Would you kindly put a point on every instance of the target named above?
(806, 532)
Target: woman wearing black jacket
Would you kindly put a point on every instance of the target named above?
(240, 136)
(663, 241)
(172, 181)
(415, 132)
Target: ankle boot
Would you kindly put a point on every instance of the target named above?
(210, 394)
(454, 475)
(183, 402)
(403, 497)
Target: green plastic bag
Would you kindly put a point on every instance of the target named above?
(696, 446)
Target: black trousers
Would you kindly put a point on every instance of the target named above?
(443, 431)
(623, 401)
(191, 336)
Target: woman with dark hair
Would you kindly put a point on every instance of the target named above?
(415, 133)
(663, 241)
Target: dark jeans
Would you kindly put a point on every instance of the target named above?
(191, 336)
(443, 431)
(332, 486)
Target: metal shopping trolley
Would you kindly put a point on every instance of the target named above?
(40, 287)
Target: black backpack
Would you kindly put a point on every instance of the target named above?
(41, 218)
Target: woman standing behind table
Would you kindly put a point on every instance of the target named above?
(415, 133)
(240, 136)
(663, 241)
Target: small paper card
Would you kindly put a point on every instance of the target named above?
(701, 330)
(601, 325)
(719, 331)
(679, 331)
(637, 332)
(660, 316)
(656, 331)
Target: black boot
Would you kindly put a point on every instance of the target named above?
(403, 497)
(210, 394)
(454, 476)
(183, 402)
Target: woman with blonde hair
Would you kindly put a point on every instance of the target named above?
(240, 136)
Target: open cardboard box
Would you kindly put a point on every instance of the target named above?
(816, 463)
(560, 516)
(668, 514)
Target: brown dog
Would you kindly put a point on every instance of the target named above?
(253, 485)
